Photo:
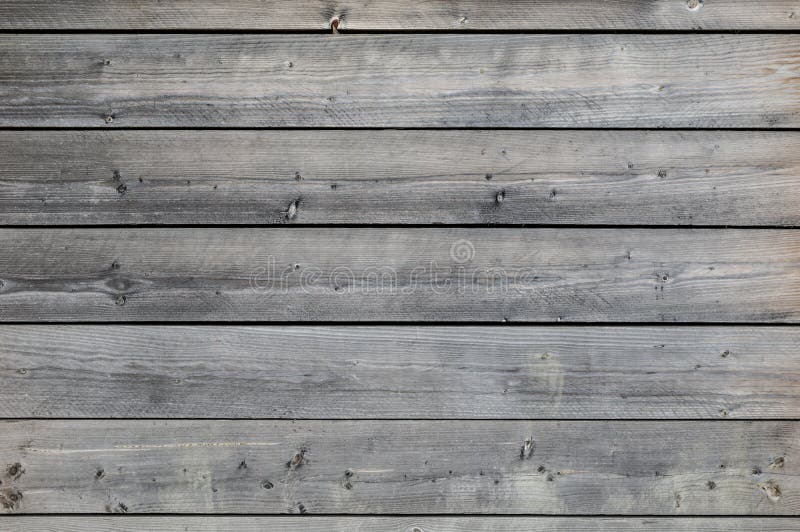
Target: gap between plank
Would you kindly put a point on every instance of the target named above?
(401, 31)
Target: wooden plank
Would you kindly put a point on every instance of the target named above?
(400, 274)
(399, 372)
(400, 176)
(400, 15)
(416, 467)
(309, 523)
(407, 80)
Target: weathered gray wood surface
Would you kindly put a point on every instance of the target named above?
(408, 80)
(400, 420)
(400, 14)
(403, 274)
(399, 372)
(310, 523)
(575, 467)
(397, 176)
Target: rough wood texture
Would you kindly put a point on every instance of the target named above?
(24, 523)
(406, 274)
(415, 467)
(400, 14)
(351, 176)
(399, 372)
(430, 80)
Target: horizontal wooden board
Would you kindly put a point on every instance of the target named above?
(310, 523)
(399, 372)
(407, 80)
(416, 467)
(400, 176)
(400, 15)
(400, 274)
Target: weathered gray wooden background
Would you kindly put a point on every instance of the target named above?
(547, 275)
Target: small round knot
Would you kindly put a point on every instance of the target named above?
(109, 119)
(121, 300)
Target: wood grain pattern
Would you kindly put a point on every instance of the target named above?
(406, 274)
(409, 80)
(399, 372)
(400, 274)
(398, 176)
(519, 427)
(416, 467)
(400, 14)
(132, 523)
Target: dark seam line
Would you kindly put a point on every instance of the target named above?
(343, 31)
(378, 323)
(379, 226)
(399, 515)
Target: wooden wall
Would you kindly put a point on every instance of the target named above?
(400, 265)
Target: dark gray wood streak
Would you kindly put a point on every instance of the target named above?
(400, 15)
(131, 523)
(415, 467)
(399, 372)
(400, 274)
(430, 80)
(352, 176)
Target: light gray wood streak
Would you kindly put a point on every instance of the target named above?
(403, 274)
(409, 80)
(399, 372)
(400, 14)
(351, 176)
(567, 467)
(131, 523)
